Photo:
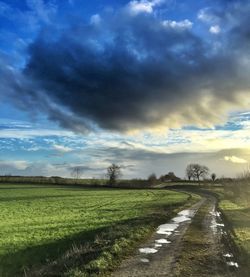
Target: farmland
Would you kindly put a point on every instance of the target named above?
(236, 206)
(67, 230)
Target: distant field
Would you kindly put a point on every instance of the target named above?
(91, 227)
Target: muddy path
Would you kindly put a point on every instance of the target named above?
(191, 244)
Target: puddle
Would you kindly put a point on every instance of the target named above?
(163, 241)
(215, 213)
(166, 230)
(219, 228)
(233, 264)
(228, 255)
(188, 213)
(144, 260)
(148, 250)
(214, 224)
(181, 218)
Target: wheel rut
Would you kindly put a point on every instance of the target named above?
(188, 245)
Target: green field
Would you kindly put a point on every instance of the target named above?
(73, 231)
(236, 208)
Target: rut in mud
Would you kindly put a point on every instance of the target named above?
(189, 245)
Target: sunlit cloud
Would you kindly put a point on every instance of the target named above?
(235, 159)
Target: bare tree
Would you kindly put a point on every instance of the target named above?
(189, 172)
(197, 171)
(113, 174)
(213, 176)
(76, 172)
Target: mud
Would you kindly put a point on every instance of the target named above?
(160, 255)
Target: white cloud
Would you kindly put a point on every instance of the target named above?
(235, 159)
(206, 16)
(215, 29)
(61, 148)
(19, 165)
(181, 25)
(95, 19)
(43, 10)
(19, 133)
(143, 6)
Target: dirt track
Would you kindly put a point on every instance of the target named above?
(194, 248)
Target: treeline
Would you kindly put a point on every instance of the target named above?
(51, 180)
(133, 183)
(238, 189)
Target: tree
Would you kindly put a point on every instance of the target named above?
(189, 172)
(76, 172)
(170, 177)
(113, 173)
(213, 176)
(196, 171)
(152, 179)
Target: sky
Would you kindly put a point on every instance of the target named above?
(151, 85)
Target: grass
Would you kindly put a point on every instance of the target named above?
(67, 231)
(234, 202)
(238, 216)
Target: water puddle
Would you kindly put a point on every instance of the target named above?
(216, 222)
(181, 218)
(144, 260)
(163, 241)
(233, 264)
(148, 250)
(228, 255)
(218, 227)
(166, 230)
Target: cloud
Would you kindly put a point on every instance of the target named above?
(215, 29)
(43, 10)
(181, 25)
(133, 73)
(235, 159)
(95, 19)
(19, 165)
(143, 6)
(61, 148)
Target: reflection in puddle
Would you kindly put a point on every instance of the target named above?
(214, 224)
(181, 218)
(144, 260)
(233, 264)
(162, 241)
(166, 230)
(228, 255)
(188, 213)
(148, 250)
(219, 228)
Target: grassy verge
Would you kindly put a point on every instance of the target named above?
(62, 231)
(238, 216)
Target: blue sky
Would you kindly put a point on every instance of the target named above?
(151, 85)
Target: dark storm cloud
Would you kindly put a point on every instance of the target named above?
(132, 71)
